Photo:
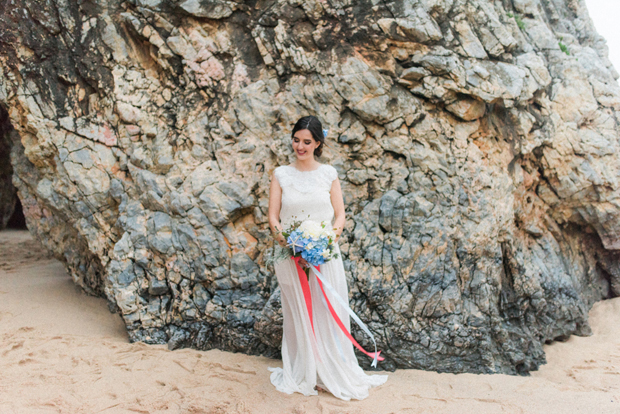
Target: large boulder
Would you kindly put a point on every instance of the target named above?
(477, 144)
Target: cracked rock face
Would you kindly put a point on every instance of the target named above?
(476, 142)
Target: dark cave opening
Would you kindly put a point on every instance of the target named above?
(17, 220)
(11, 212)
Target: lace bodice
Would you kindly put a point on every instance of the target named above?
(306, 194)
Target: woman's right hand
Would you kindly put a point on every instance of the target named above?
(281, 240)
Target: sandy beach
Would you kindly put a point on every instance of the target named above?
(63, 352)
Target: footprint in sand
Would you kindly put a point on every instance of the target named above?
(13, 348)
(6, 315)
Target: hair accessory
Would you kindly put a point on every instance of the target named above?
(325, 131)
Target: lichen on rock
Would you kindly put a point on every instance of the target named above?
(478, 160)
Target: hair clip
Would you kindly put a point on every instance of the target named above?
(325, 131)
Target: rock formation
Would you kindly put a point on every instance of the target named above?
(476, 142)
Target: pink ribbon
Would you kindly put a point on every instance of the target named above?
(305, 288)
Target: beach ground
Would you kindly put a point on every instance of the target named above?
(62, 351)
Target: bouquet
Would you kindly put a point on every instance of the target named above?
(314, 242)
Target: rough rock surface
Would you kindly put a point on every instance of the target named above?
(477, 144)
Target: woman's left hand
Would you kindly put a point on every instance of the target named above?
(303, 262)
(338, 232)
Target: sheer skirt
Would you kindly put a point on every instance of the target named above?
(329, 360)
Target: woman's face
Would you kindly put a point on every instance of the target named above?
(304, 144)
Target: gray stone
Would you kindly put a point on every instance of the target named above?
(467, 109)
(414, 73)
(158, 287)
(212, 9)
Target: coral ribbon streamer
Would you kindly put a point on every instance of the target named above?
(305, 287)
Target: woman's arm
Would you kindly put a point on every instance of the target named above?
(275, 203)
(338, 204)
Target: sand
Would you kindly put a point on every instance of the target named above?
(63, 352)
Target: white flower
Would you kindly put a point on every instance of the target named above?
(310, 229)
(324, 230)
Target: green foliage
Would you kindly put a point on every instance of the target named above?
(518, 20)
(563, 47)
(520, 23)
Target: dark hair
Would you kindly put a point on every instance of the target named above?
(312, 124)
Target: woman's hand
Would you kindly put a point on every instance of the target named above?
(338, 231)
(281, 240)
(279, 237)
(338, 204)
(275, 203)
(303, 262)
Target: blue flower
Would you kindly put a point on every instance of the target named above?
(296, 241)
(316, 250)
(315, 255)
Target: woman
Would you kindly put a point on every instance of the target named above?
(322, 357)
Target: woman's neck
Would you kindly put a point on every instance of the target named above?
(306, 165)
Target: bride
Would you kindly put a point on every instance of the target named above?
(322, 357)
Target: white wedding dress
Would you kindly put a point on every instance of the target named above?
(327, 361)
